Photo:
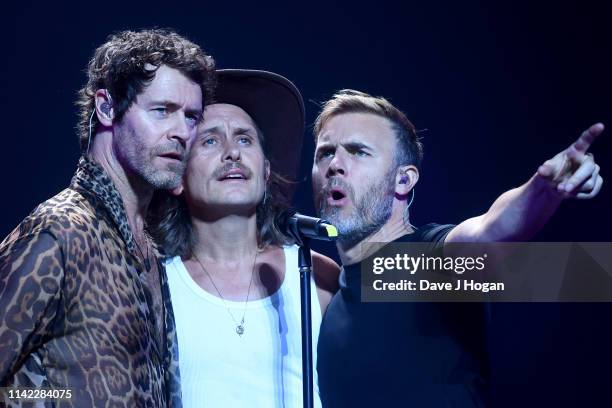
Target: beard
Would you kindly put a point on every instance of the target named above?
(370, 212)
(138, 159)
(171, 176)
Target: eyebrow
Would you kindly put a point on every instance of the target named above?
(197, 112)
(164, 102)
(245, 130)
(239, 130)
(347, 145)
(214, 129)
(324, 146)
(175, 106)
(356, 146)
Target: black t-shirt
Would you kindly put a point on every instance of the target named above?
(401, 354)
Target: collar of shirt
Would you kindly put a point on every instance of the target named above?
(91, 180)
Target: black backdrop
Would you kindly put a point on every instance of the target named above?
(500, 85)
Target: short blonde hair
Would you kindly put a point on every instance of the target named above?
(410, 148)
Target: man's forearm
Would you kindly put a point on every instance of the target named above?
(516, 215)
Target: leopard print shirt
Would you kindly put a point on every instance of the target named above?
(76, 308)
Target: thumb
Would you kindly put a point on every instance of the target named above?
(546, 170)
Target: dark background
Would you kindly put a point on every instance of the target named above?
(501, 86)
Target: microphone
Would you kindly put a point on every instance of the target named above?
(299, 226)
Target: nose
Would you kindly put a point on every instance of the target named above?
(336, 166)
(181, 131)
(231, 153)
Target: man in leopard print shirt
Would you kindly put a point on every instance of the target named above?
(83, 305)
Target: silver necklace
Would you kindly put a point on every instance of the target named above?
(239, 326)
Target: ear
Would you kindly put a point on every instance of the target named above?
(267, 169)
(406, 178)
(104, 107)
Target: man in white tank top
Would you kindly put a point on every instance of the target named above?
(232, 274)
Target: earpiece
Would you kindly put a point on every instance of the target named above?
(106, 108)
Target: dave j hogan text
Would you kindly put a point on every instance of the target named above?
(467, 285)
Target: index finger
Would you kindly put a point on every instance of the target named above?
(587, 138)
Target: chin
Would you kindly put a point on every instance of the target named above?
(164, 180)
(238, 201)
(335, 212)
(232, 197)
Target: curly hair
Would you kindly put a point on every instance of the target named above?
(126, 63)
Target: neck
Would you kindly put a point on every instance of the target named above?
(135, 192)
(394, 228)
(229, 237)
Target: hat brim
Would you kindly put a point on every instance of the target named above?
(276, 106)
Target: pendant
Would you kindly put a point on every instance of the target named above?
(240, 328)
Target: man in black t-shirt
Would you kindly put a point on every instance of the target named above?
(365, 168)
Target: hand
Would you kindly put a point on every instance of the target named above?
(573, 172)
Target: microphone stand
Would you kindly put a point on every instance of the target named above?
(305, 267)
(302, 228)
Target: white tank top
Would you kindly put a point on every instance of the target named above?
(261, 368)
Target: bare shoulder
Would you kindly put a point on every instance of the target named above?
(326, 272)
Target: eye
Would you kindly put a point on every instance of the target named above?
(211, 141)
(360, 153)
(324, 154)
(245, 140)
(192, 119)
(160, 112)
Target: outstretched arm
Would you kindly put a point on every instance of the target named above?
(521, 212)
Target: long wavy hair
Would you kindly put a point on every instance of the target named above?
(169, 223)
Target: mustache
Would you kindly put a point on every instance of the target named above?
(222, 170)
(172, 147)
(336, 182)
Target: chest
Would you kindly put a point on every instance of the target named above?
(256, 279)
(110, 298)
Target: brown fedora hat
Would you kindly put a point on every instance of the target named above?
(276, 106)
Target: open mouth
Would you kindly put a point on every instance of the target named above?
(337, 197)
(233, 175)
(172, 156)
